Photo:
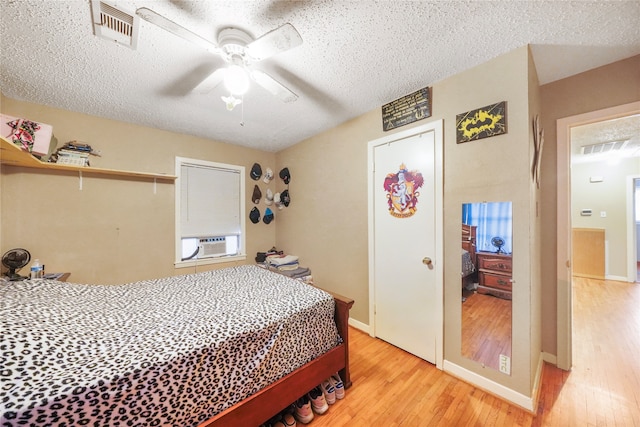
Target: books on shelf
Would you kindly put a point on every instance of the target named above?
(79, 146)
(75, 159)
(82, 154)
(74, 153)
(72, 157)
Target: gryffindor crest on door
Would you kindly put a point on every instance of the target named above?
(402, 191)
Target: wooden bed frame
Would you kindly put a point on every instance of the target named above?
(266, 403)
(469, 240)
(469, 244)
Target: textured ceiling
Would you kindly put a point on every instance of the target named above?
(625, 130)
(355, 57)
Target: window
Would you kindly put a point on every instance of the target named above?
(210, 226)
(494, 220)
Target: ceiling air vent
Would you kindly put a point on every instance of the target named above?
(604, 147)
(113, 24)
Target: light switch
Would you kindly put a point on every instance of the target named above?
(603, 214)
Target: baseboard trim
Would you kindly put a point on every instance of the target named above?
(537, 383)
(550, 358)
(359, 325)
(489, 386)
(617, 278)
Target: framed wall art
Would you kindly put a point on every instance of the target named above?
(482, 123)
(408, 109)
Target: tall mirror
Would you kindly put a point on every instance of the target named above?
(487, 284)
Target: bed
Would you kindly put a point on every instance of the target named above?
(226, 347)
(468, 272)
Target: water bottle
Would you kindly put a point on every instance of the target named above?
(36, 270)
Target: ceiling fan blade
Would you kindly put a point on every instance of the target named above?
(275, 41)
(211, 81)
(273, 86)
(168, 25)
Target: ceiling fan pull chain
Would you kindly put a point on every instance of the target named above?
(242, 119)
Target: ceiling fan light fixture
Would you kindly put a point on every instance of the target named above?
(236, 80)
(240, 50)
(231, 101)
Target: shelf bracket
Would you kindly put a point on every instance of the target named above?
(80, 179)
(155, 186)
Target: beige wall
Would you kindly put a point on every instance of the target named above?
(326, 223)
(492, 169)
(535, 233)
(114, 230)
(604, 87)
(607, 196)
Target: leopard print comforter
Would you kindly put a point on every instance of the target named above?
(167, 352)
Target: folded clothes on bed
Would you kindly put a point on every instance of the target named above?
(286, 267)
(297, 273)
(282, 259)
(262, 256)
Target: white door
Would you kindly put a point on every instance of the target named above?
(405, 197)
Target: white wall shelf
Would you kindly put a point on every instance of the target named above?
(12, 155)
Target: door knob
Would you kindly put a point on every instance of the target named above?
(426, 260)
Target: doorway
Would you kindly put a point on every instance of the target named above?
(405, 240)
(564, 222)
(633, 197)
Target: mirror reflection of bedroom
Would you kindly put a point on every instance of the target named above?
(487, 246)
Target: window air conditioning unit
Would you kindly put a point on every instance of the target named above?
(212, 247)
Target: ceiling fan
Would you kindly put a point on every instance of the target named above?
(240, 51)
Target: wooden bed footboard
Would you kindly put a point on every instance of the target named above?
(263, 405)
(343, 305)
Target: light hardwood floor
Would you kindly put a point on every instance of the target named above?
(394, 388)
(486, 329)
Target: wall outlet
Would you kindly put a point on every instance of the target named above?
(505, 364)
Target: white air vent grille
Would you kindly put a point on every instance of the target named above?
(604, 147)
(213, 246)
(114, 24)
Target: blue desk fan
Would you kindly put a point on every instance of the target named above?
(498, 242)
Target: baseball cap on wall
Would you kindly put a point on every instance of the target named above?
(268, 216)
(257, 194)
(285, 175)
(256, 172)
(254, 215)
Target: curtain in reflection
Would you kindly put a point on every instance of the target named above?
(492, 220)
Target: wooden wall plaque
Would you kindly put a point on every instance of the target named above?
(408, 109)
